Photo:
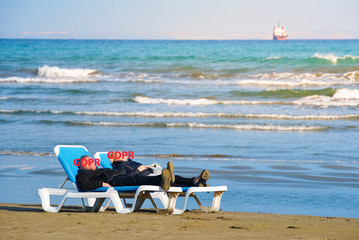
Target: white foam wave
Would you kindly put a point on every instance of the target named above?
(45, 80)
(54, 72)
(224, 115)
(288, 83)
(346, 93)
(341, 97)
(334, 59)
(188, 114)
(200, 101)
(272, 58)
(146, 81)
(281, 79)
(4, 98)
(302, 79)
(281, 128)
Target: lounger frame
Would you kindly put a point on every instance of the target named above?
(176, 192)
(97, 198)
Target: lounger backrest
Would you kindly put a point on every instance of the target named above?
(66, 155)
(105, 161)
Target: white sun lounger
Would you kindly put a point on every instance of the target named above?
(66, 155)
(176, 192)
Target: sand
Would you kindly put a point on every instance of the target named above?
(24, 221)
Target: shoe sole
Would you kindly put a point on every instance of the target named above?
(170, 168)
(205, 175)
(166, 178)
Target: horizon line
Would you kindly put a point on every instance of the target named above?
(174, 39)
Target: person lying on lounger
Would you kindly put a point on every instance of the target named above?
(89, 177)
(129, 167)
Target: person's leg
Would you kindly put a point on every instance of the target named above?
(199, 181)
(136, 180)
(183, 182)
(162, 180)
(170, 168)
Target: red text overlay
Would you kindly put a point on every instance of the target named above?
(84, 162)
(118, 154)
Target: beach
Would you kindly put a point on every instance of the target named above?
(252, 107)
(275, 122)
(28, 221)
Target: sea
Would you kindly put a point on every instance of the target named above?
(274, 121)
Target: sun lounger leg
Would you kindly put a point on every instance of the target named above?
(113, 195)
(45, 200)
(217, 195)
(162, 196)
(61, 203)
(148, 195)
(105, 205)
(171, 208)
(139, 203)
(97, 205)
(45, 194)
(216, 201)
(91, 202)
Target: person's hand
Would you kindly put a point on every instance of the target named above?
(142, 167)
(105, 184)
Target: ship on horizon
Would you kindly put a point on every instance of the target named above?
(279, 33)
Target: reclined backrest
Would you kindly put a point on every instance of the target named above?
(105, 161)
(66, 155)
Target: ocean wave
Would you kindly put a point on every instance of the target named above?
(200, 101)
(347, 93)
(284, 93)
(302, 79)
(55, 72)
(186, 114)
(288, 79)
(4, 98)
(145, 81)
(334, 59)
(272, 58)
(14, 152)
(291, 79)
(46, 80)
(342, 97)
(269, 127)
(288, 83)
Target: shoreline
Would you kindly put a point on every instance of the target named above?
(29, 221)
(306, 189)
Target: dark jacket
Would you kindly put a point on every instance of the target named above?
(92, 179)
(129, 168)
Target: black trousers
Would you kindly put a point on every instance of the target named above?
(136, 180)
(182, 182)
(139, 179)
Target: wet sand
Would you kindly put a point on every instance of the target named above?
(24, 221)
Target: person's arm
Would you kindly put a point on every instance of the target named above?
(142, 168)
(119, 166)
(85, 183)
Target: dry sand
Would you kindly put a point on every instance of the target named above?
(24, 221)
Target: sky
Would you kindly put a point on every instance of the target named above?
(178, 19)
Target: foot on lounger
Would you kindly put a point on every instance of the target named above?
(201, 180)
(170, 168)
(166, 179)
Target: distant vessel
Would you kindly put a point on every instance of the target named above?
(279, 33)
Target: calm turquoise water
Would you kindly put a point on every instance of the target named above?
(284, 114)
